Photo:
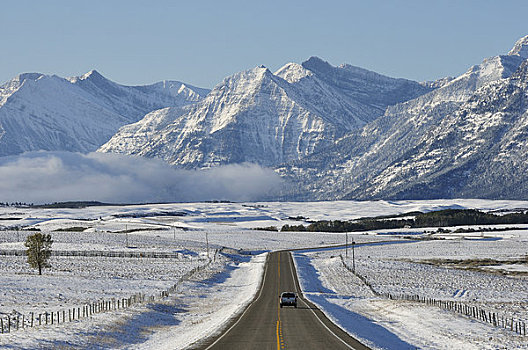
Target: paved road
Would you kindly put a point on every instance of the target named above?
(264, 325)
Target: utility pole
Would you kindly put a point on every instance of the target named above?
(207, 244)
(346, 245)
(126, 235)
(353, 257)
(174, 232)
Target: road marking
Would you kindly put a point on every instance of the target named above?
(280, 340)
(279, 330)
(247, 308)
(298, 290)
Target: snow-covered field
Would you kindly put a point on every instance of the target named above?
(398, 269)
(206, 300)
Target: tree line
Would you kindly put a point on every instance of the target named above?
(441, 218)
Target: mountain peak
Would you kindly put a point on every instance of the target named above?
(261, 70)
(29, 76)
(315, 60)
(258, 72)
(520, 48)
(93, 74)
(314, 63)
(292, 72)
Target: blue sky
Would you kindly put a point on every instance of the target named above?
(201, 42)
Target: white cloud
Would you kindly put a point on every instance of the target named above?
(44, 177)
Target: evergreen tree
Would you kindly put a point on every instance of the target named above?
(39, 250)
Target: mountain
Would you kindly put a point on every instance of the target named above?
(260, 117)
(480, 150)
(463, 139)
(42, 112)
(369, 92)
(331, 132)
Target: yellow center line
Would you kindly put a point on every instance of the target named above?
(280, 341)
(278, 336)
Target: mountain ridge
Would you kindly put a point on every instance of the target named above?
(265, 118)
(375, 161)
(332, 132)
(47, 112)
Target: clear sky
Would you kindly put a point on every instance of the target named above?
(200, 41)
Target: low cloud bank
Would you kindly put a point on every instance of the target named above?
(45, 177)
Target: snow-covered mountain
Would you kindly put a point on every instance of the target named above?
(465, 139)
(42, 112)
(260, 117)
(332, 132)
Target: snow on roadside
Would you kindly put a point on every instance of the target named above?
(386, 324)
(215, 302)
(201, 307)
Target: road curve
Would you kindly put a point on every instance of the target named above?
(264, 325)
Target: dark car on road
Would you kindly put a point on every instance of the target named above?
(288, 299)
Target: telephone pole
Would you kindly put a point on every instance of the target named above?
(207, 244)
(346, 245)
(353, 257)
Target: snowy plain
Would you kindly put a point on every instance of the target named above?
(207, 300)
(396, 269)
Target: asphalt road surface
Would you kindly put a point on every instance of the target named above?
(264, 325)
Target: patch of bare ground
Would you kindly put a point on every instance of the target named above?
(479, 264)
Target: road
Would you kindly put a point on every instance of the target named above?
(264, 325)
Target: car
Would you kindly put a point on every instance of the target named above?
(288, 299)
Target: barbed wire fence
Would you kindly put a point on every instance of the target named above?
(515, 325)
(101, 253)
(15, 320)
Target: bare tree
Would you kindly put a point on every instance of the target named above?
(39, 250)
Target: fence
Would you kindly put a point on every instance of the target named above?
(474, 312)
(15, 320)
(102, 253)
